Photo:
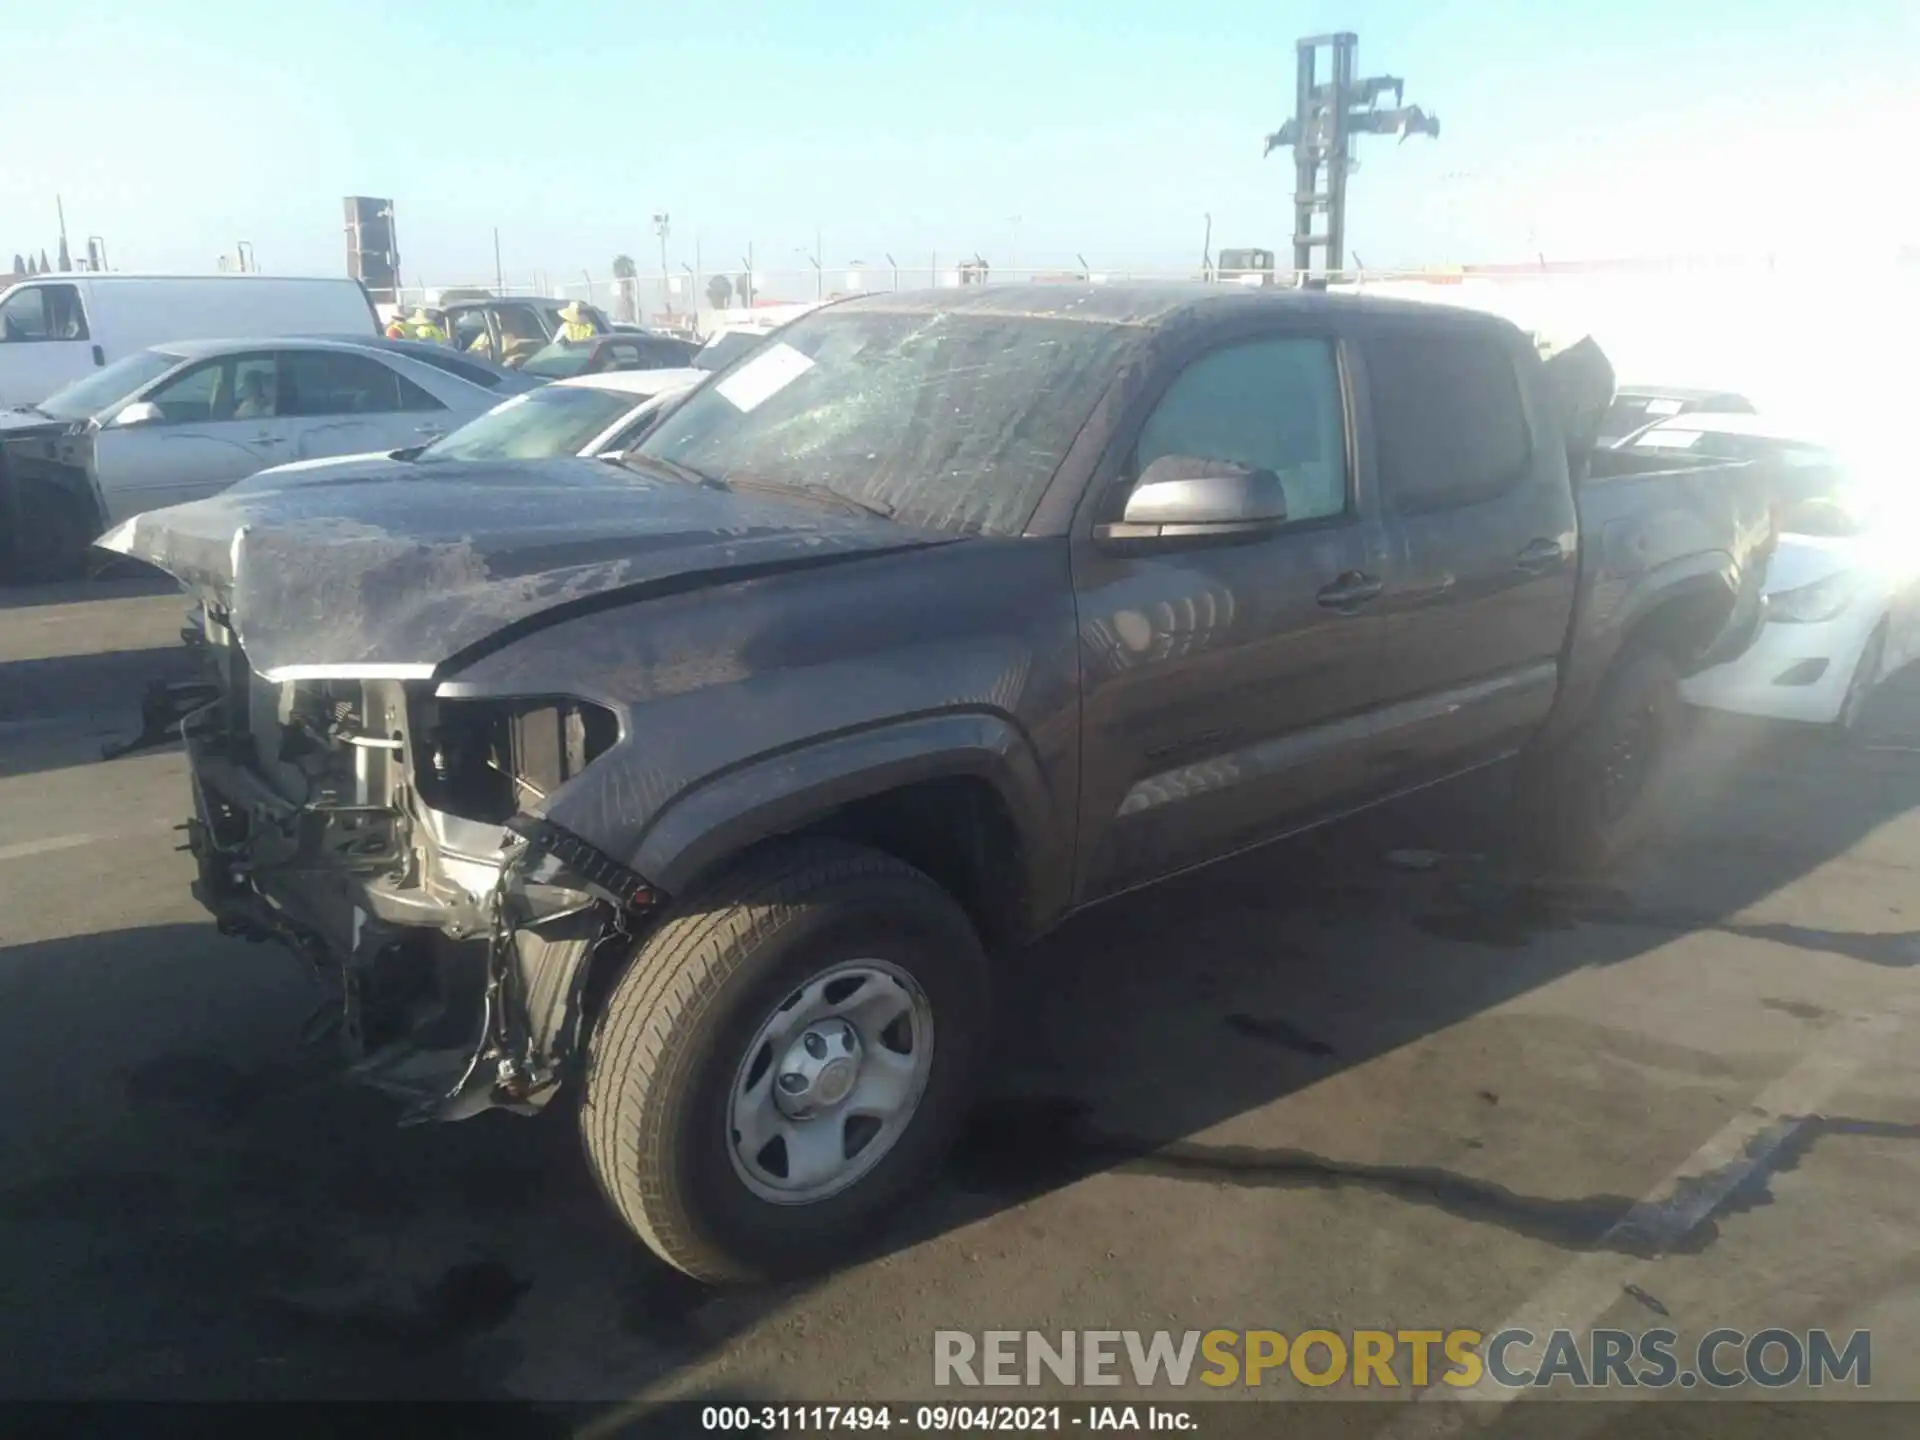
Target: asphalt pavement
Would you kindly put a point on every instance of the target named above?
(1360, 1080)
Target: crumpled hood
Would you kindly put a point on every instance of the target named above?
(402, 576)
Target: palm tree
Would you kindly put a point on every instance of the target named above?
(624, 273)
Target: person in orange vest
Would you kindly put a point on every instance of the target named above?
(397, 327)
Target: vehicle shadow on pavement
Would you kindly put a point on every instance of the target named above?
(125, 580)
(1165, 1016)
(198, 1222)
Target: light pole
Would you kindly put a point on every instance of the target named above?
(660, 228)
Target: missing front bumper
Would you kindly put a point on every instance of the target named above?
(456, 1000)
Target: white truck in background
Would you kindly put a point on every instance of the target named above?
(55, 329)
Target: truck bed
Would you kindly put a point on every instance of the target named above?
(1651, 526)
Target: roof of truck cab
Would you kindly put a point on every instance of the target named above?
(1148, 305)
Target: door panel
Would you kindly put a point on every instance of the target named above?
(1481, 518)
(146, 467)
(1222, 701)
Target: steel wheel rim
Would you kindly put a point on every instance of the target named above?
(829, 1082)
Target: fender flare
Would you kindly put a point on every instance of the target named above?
(772, 794)
(1695, 577)
(1591, 653)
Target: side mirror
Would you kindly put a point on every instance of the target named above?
(1185, 498)
(140, 412)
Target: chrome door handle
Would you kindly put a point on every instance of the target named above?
(1350, 591)
(269, 439)
(1540, 555)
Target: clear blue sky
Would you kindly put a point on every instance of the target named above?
(1110, 127)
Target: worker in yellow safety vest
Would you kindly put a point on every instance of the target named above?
(423, 328)
(574, 324)
(397, 327)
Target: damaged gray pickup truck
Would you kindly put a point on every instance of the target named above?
(707, 778)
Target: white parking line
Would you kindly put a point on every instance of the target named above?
(50, 843)
(1594, 1283)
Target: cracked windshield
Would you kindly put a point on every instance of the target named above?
(1055, 728)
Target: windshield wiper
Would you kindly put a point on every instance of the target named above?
(672, 469)
(813, 490)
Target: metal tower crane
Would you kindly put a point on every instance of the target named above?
(1325, 120)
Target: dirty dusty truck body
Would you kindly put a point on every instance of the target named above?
(564, 769)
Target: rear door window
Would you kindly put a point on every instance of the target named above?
(1447, 416)
(326, 382)
(333, 382)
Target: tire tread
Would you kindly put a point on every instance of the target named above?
(689, 957)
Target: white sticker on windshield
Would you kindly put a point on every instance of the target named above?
(1671, 439)
(1664, 407)
(765, 375)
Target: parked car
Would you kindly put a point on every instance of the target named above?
(614, 351)
(56, 329)
(1842, 588)
(182, 421)
(1636, 405)
(512, 329)
(593, 415)
(705, 780)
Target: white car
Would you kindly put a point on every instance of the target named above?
(590, 415)
(178, 422)
(56, 329)
(1843, 586)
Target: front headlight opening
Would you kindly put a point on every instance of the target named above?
(1812, 604)
(489, 759)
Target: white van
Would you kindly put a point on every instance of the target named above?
(56, 328)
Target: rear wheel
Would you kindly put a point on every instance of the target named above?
(1591, 803)
(784, 1060)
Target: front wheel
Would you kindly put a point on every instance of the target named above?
(784, 1060)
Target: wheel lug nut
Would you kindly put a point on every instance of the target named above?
(816, 1046)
